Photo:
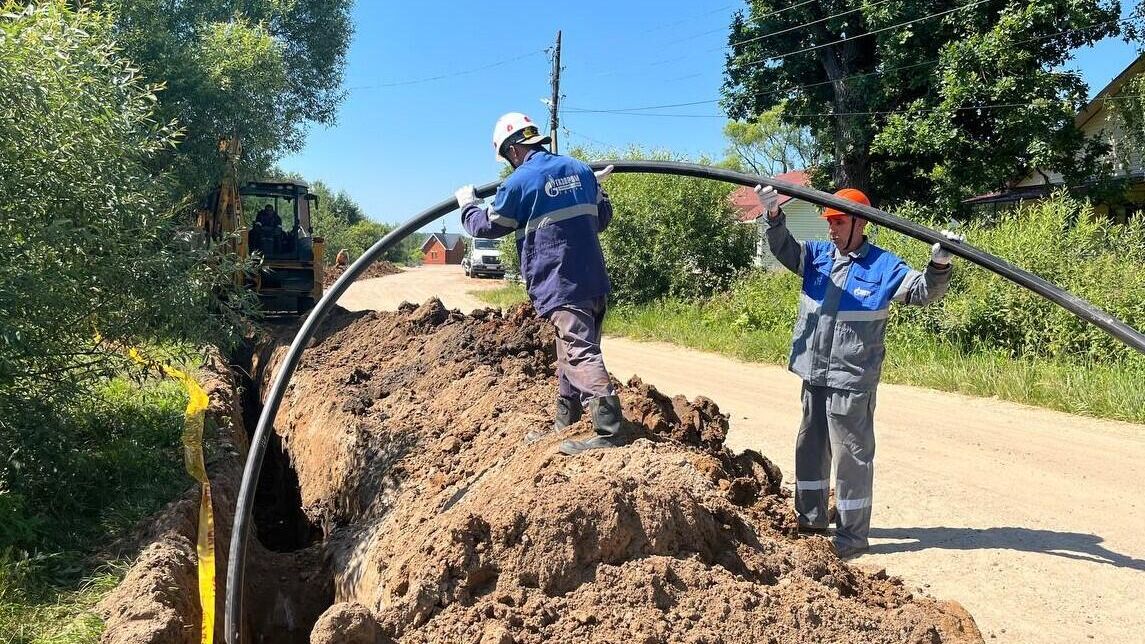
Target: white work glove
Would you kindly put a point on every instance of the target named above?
(769, 199)
(940, 255)
(465, 195)
(601, 175)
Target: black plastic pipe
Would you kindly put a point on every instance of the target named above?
(240, 533)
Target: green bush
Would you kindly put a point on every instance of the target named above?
(97, 466)
(672, 236)
(1058, 239)
(88, 236)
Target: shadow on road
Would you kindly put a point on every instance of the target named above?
(1071, 545)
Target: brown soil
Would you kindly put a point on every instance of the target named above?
(158, 598)
(377, 269)
(405, 430)
(427, 519)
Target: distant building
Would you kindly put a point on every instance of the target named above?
(443, 248)
(803, 218)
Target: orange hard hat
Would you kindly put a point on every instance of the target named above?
(850, 194)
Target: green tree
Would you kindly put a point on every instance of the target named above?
(88, 237)
(261, 70)
(1128, 105)
(768, 145)
(92, 257)
(931, 100)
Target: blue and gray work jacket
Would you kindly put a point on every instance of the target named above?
(838, 338)
(556, 208)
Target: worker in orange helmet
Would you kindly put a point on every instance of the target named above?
(848, 285)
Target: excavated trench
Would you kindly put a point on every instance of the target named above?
(398, 503)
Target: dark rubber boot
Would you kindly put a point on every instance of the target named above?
(606, 420)
(569, 410)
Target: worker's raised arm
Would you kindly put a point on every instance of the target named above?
(481, 222)
(783, 246)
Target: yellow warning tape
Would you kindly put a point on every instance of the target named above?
(193, 420)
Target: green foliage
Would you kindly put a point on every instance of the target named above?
(669, 236)
(504, 297)
(91, 468)
(672, 236)
(88, 238)
(510, 259)
(768, 145)
(1095, 389)
(1129, 107)
(261, 70)
(38, 614)
(1059, 239)
(72, 480)
(343, 224)
(911, 112)
(988, 337)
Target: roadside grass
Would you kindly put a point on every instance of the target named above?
(504, 297)
(98, 470)
(1103, 390)
(1110, 391)
(45, 613)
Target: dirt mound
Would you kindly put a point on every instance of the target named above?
(405, 430)
(377, 269)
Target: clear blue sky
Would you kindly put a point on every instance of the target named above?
(403, 142)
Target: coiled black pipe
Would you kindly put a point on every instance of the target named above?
(239, 535)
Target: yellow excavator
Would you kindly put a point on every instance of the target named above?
(290, 257)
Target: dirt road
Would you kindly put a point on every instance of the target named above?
(1032, 519)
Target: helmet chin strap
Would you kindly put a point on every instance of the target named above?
(850, 235)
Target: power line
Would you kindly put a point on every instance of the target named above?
(796, 27)
(690, 19)
(784, 91)
(852, 76)
(873, 112)
(474, 70)
(755, 19)
(587, 138)
(806, 24)
(864, 35)
(681, 39)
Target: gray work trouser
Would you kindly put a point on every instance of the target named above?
(580, 366)
(840, 424)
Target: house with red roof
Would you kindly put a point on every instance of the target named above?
(803, 218)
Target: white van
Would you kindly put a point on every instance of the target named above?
(483, 258)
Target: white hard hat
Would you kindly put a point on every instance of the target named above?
(515, 127)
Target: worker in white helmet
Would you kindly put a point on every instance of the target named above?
(556, 208)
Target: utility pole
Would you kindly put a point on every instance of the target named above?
(554, 104)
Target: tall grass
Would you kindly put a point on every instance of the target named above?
(99, 467)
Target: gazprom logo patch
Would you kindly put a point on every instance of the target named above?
(554, 187)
